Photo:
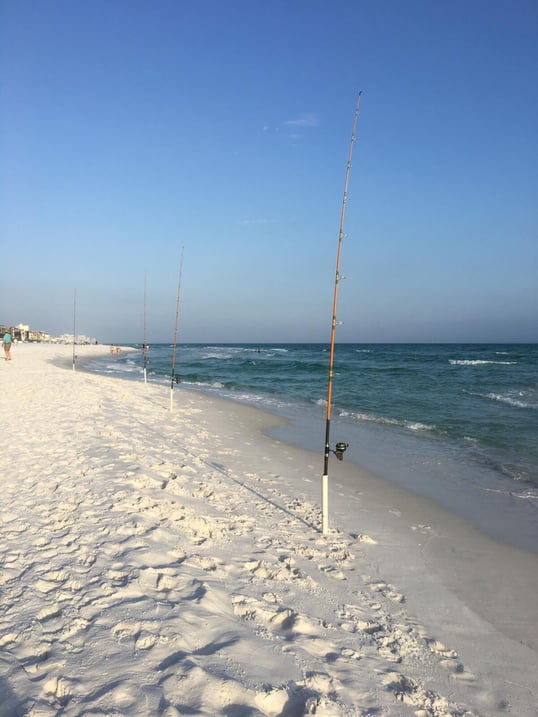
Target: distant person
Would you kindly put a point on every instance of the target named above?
(7, 345)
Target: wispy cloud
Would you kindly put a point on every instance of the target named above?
(304, 121)
(250, 222)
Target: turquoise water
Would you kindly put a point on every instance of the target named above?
(446, 413)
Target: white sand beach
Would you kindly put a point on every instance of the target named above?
(171, 563)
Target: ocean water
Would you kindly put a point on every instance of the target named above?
(454, 422)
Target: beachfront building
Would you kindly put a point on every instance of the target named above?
(68, 339)
(23, 332)
(16, 333)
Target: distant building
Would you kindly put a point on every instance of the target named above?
(38, 336)
(68, 339)
(13, 330)
(23, 332)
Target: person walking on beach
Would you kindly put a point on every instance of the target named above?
(7, 345)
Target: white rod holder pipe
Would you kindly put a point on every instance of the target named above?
(325, 504)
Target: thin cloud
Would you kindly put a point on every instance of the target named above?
(250, 222)
(304, 121)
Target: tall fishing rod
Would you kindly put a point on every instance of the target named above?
(175, 378)
(340, 447)
(144, 343)
(74, 328)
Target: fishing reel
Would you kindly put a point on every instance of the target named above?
(340, 449)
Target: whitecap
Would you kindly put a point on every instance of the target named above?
(479, 362)
(508, 399)
(216, 355)
(504, 398)
(417, 426)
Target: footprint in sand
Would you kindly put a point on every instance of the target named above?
(272, 702)
(449, 658)
(205, 563)
(59, 689)
(438, 648)
(350, 654)
(153, 581)
(393, 641)
(316, 694)
(75, 627)
(147, 640)
(262, 570)
(167, 584)
(411, 693)
(332, 571)
(277, 618)
(387, 591)
(366, 539)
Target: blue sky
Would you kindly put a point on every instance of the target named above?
(129, 129)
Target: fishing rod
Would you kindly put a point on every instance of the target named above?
(74, 328)
(340, 447)
(144, 344)
(175, 378)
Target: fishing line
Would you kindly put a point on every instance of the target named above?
(175, 378)
(74, 328)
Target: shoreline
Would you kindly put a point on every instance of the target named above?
(435, 530)
(458, 480)
(491, 508)
(110, 490)
(423, 526)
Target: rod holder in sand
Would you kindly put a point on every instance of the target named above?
(74, 330)
(144, 342)
(174, 345)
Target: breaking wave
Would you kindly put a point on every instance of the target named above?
(479, 362)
